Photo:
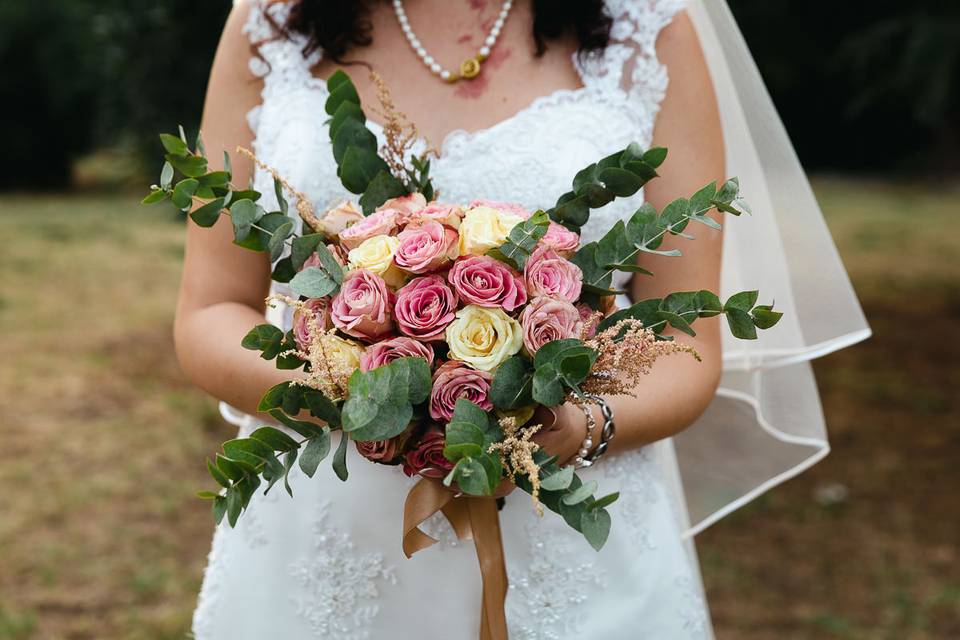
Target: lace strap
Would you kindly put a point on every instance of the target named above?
(629, 67)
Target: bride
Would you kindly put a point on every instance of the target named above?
(562, 84)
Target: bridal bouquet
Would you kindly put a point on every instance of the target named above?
(429, 333)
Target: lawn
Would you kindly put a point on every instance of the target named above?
(103, 439)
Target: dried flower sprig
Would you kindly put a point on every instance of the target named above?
(400, 133)
(304, 206)
(517, 451)
(331, 359)
(627, 351)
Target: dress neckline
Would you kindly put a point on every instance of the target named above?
(461, 135)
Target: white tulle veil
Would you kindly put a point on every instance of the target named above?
(766, 424)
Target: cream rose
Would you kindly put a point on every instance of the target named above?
(483, 337)
(484, 228)
(341, 354)
(376, 255)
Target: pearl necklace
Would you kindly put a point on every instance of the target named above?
(469, 68)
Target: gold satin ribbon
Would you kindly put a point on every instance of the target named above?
(471, 518)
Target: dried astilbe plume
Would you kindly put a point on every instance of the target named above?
(304, 206)
(332, 359)
(517, 450)
(627, 353)
(401, 134)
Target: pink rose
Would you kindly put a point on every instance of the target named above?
(405, 206)
(337, 252)
(339, 218)
(507, 207)
(384, 451)
(379, 223)
(560, 239)
(317, 308)
(486, 282)
(426, 458)
(385, 352)
(589, 318)
(362, 307)
(426, 248)
(446, 214)
(454, 380)
(425, 306)
(547, 319)
(547, 274)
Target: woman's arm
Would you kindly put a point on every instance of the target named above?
(223, 287)
(679, 388)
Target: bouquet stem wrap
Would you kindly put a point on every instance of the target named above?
(473, 518)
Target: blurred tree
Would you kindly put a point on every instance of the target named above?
(48, 97)
(877, 83)
(151, 48)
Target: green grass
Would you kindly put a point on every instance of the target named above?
(96, 542)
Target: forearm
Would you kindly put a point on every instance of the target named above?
(208, 348)
(671, 397)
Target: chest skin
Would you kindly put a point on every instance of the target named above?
(452, 30)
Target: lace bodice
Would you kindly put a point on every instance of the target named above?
(538, 150)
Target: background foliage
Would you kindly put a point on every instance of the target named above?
(878, 86)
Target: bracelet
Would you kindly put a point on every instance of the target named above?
(585, 457)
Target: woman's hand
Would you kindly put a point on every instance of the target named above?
(564, 428)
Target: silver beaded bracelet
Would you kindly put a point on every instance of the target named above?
(585, 457)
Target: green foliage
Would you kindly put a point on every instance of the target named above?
(469, 435)
(359, 167)
(560, 366)
(512, 385)
(619, 175)
(522, 240)
(563, 492)
(644, 232)
(680, 309)
(380, 402)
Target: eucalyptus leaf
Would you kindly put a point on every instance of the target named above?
(340, 458)
(595, 525)
(316, 449)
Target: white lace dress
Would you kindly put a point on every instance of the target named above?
(328, 563)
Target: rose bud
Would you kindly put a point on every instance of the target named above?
(486, 282)
(339, 218)
(426, 457)
(560, 239)
(426, 248)
(446, 214)
(318, 310)
(424, 308)
(547, 274)
(380, 223)
(405, 206)
(362, 307)
(385, 352)
(385, 451)
(510, 208)
(335, 250)
(547, 319)
(454, 380)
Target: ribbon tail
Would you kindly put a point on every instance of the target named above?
(485, 524)
(476, 518)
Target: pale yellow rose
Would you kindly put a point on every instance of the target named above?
(332, 361)
(483, 337)
(376, 255)
(484, 228)
(345, 354)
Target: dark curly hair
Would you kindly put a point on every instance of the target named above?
(336, 26)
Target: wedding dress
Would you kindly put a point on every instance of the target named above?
(328, 562)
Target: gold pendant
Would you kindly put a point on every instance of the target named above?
(470, 68)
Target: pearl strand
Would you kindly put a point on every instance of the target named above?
(470, 67)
